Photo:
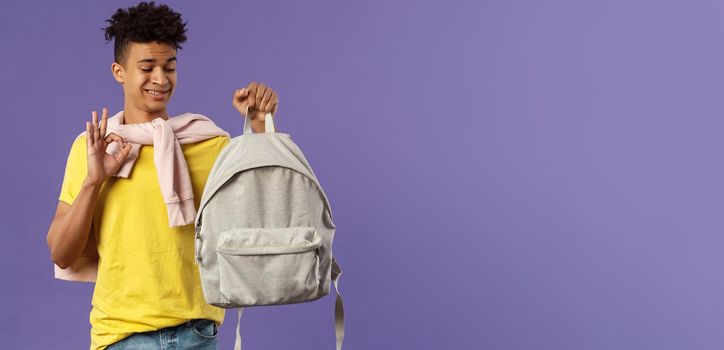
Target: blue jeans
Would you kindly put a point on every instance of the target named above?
(198, 334)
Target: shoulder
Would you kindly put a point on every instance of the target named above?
(79, 144)
(223, 141)
(208, 146)
(215, 140)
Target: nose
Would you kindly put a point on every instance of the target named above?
(159, 77)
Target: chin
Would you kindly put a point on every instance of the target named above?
(156, 107)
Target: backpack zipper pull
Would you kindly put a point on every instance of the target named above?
(197, 251)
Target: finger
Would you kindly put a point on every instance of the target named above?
(252, 94)
(259, 95)
(239, 95)
(265, 105)
(243, 94)
(113, 137)
(95, 127)
(275, 108)
(235, 98)
(92, 133)
(240, 101)
(274, 103)
(104, 122)
(123, 154)
(88, 142)
(252, 99)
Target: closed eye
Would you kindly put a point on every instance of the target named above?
(147, 70)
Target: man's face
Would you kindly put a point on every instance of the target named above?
(149, 77)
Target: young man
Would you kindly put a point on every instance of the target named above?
(147, 293)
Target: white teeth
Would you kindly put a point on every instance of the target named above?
(153, 92)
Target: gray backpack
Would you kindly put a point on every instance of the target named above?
(264, 228)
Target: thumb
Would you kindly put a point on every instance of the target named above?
(240, 94)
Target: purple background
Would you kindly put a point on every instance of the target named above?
(503, 174)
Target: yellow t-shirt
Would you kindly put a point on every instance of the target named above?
(147, 277)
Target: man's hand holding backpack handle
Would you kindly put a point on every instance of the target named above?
(259, 99)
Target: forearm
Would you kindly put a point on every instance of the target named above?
(68, 234)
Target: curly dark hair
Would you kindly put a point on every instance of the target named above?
(144, 23)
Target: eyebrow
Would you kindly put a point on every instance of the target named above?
(154, 60)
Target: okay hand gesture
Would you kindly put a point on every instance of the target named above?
(102, 165)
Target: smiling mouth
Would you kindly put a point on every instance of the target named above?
(157, 93)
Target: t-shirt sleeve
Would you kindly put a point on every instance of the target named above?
(76, 169)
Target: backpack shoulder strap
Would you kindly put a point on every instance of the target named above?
(338, 311)
(237, 341)
(338, 305)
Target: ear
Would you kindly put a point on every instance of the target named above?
(118, 72)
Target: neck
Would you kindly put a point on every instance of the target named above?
(133, 115)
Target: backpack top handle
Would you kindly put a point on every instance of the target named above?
(268, 123)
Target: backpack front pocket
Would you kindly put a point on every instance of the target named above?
(267, 266)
